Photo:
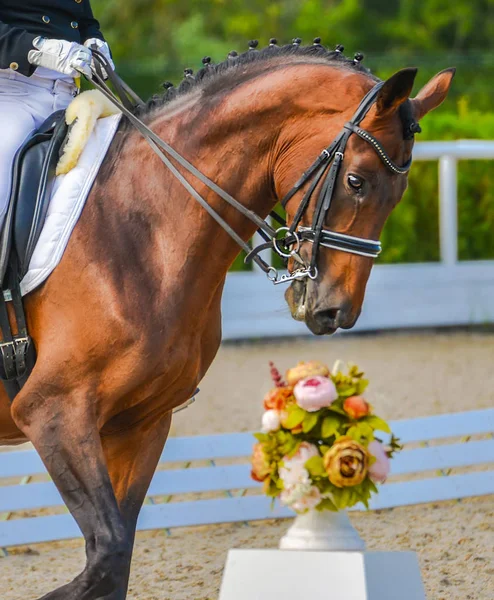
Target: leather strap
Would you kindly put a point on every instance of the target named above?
(7, 364)
(370, 139)
(323, 206)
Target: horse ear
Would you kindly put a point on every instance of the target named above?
(395, 91)
(433, 93)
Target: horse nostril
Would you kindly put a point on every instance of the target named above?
(329, 317)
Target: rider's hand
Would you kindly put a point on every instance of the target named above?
(65, 57)
(101, 46)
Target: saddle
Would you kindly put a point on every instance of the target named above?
(32, 184)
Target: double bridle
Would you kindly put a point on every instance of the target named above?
(284, 240)
(327, 165)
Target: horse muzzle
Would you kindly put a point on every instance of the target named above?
(322, 318)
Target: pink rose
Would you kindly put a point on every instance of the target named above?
(379, 470)
(314, 393)
(356, 407)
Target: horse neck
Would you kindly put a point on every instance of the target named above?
(235, 140)
(231, 150)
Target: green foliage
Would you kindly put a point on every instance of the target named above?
(330, 426)
(376, 422)
(412, 232)
(296, 415)
(153, 40)
(327, 504)
(315, 466)
(310, 421)
(363, 433)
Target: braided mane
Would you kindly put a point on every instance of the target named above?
(225, 74)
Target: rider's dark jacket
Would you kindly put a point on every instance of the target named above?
(23, 20)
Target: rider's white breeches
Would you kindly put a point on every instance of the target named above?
(25, 103)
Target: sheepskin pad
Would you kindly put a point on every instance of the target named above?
(68, 197)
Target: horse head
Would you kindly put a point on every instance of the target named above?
(255, 124)
(369, 184)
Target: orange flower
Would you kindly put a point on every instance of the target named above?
(261, 468)
(278, 398)
(306, 369)
(356, 407)
(346, 462)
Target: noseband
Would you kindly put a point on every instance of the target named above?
(285, 241)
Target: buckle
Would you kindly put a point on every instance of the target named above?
(8, 370)
(13, 358)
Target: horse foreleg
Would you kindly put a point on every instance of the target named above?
(132, 455)
(63, 431)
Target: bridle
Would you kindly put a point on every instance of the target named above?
(327, 165)
(284, 240)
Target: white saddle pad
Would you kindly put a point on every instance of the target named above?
(68, 197)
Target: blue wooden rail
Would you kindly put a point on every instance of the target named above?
(226, 478)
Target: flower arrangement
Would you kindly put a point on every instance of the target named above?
(318, 448)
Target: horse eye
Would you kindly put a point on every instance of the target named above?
(355, 182)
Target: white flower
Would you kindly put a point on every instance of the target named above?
(309, 501)
(294, 493)
(271, 421)
(294, 473)
(301, 498)
(298, 491)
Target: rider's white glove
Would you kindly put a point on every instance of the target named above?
(102, 47)
(65, 57)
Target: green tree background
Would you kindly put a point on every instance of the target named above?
(154, 40)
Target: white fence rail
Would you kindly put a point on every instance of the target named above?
(406, 295)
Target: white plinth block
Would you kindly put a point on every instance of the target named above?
(319, 575)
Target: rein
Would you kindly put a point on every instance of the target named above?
(285, 241)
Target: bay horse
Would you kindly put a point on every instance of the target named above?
(129, 322)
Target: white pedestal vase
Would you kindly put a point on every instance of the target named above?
(321, 557)
(322, 530)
